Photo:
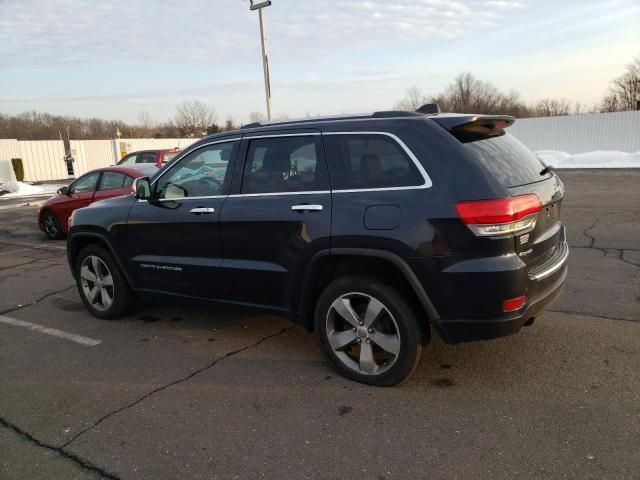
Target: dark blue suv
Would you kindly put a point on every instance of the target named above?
(368, 229)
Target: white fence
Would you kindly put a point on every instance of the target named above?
(44, 160)
(581, 133)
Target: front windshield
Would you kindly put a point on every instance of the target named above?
(128, 160)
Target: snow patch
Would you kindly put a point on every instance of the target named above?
(19, 189)
(597, 159)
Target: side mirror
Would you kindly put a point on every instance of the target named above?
(142, 188)
(63, 191)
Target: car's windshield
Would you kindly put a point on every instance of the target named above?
(128, 160)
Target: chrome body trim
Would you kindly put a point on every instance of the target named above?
(202, 210)
(425, 176)
(306, 207)
(555, 263)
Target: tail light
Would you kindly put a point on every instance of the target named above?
(513, 304)
(502, 216)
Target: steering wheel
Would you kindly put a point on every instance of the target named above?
(208, 186)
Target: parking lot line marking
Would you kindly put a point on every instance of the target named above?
(54, 332)
(33, 245)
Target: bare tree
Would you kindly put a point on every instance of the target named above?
(194, 117)
(551, 107)
(413, 99)
(467, 94)
(229, 125)
(624, 91)
(144, 120)
(578, 109)
(256, 117)
(460, 92)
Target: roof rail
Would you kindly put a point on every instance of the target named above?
(394, 113)
(355, 116)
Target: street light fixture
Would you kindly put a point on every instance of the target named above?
(265, 59)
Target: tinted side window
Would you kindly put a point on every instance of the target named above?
(84, 184)
(369, 161)
(284, 164)
(127, 181)
(200, 173)
(111, 180)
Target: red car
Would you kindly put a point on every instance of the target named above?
(159, 157)
(96, 185)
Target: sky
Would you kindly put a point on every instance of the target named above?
(113, 59)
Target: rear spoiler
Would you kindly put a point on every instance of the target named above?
(491, 122)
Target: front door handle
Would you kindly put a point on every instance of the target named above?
(202, 211)
(306, 208)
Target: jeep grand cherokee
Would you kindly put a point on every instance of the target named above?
(368, 229)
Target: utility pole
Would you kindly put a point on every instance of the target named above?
(265, 59)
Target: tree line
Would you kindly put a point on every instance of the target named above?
(468, 94)
(192, 119)
(465, 94)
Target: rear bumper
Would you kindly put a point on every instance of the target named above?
(468, 294)
(469, 330)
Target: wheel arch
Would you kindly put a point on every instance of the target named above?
(44, 211)
(78, 240)
(328, 264)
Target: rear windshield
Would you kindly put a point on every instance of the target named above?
(505, 157)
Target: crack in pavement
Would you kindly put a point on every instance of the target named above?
(79, 461)
(35, 302)
(586, 314)
(175, 382)
(33, 260)
(46, 261)
(605, 250)
(35, 246)
(584, 232)
(624, 260)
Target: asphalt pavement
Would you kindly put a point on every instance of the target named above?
(217, 392)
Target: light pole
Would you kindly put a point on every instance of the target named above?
(265, 59)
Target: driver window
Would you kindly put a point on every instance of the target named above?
(85, 184)
(201, 173)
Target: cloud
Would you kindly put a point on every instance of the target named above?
(83, 31)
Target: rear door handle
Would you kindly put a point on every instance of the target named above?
(202, 211)
(306, 207)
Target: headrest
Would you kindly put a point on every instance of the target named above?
(276, 160)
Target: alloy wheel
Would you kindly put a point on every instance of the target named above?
(97, 283)
(362, 333)
(51, 225)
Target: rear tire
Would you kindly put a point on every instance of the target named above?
(368, 331)
(51, 226)
(101, 285)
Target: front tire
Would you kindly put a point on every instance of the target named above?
(51, 226)
(101, 285)
(368, 331)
